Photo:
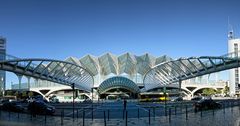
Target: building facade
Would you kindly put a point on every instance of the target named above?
(2, 57)
(234, 49)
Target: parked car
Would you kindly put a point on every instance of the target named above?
(206, 104)
(14, 106)
(54, 99)
(87, 101)
(177, 99)
(3, 101)
(40, 107)
(39, 98)
(197, 98)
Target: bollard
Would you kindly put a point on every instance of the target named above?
(83, 117)
(18, 115)
(126, 117)
(62, 117)
(104, 118)
(201, 112)
(175, 110)
(239, 108)
(224, 107)
(231, 106)
(108, 114)
(165, 112)
(9, 115)
(31, 116)
(186, 113)
(213, 111)
(123, 114)
(92, 112)
(154, 112)
(149, 119)
(138, 112)
(169, 115)
(77, 113)
(45, 118)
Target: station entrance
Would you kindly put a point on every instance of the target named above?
(118, 88)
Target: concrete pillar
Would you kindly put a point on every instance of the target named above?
(192, 94)
(180, 85)
(208, 76)
(36, 83)
(200, 79)
(28, 83)
(19, 81)
(216, 77)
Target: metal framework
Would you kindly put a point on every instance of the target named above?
(186, 68)
(118, 82)
(57, 71)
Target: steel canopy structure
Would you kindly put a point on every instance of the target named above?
(118, 82)
(126, 71)
(57, 71)
(186, 68)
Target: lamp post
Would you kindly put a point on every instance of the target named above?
(2, 84)
(73, 104)
(165, 97)
(2, 92)
(92, 94)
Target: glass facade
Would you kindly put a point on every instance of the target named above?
(236, 69)
(2, 57)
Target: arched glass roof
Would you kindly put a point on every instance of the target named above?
(118, 82)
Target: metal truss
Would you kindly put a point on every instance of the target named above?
(186, 68)
(57, 71)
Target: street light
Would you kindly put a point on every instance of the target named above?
(73, 105)
(2, 84)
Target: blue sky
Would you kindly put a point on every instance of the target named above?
(58, 29)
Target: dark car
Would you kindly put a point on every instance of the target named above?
(40, 107)
(14, 106)
(54, 99)
(39, 98)
(2, 101)
(87, 101)
(197, 98)
(206, 104)
(177, 99)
